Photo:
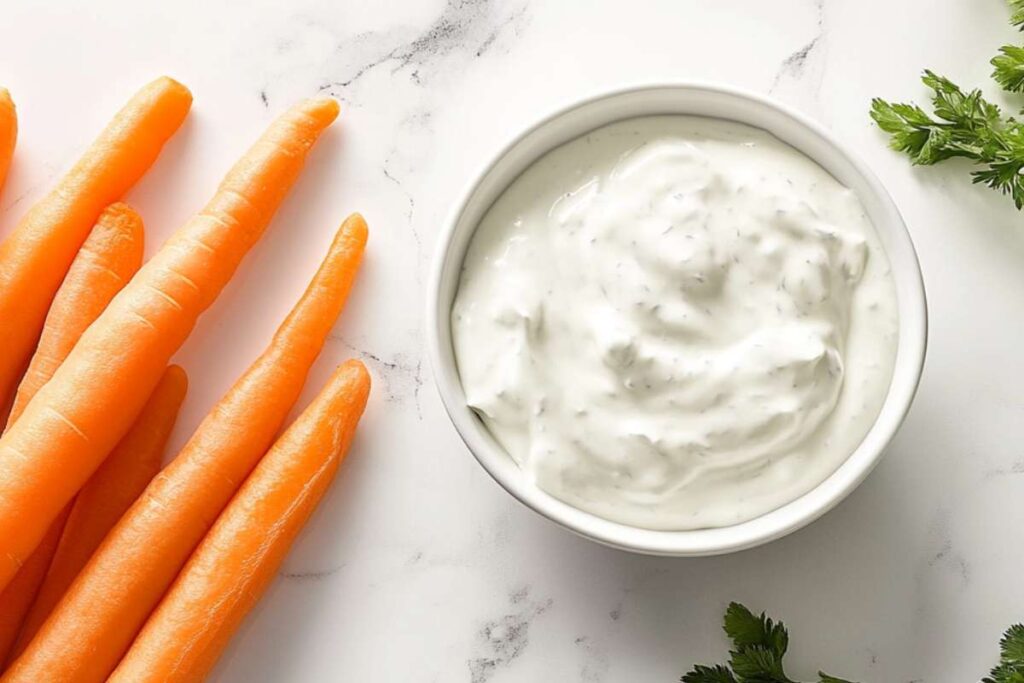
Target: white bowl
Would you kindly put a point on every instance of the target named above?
(702, 100)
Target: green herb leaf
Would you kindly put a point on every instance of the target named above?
(1009, 68)
(747, 630)
(963, 124)
(1017, 13)
(757, 663)
(1012, 645)
(759, 646)
(1005, 675)
(709, 674)
(1011, 658)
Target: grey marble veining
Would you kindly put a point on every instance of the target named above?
(502, 640)
(800, 75)
(465, 28)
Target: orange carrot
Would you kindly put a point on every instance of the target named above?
(8, 136)
(36, 256)
(95, 622)
(238, 559)
(96, 394)
(109, 493)
(17, 598)
(106, 262)
(108, 259)
(8, 132)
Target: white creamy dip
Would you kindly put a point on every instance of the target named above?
(676, 322)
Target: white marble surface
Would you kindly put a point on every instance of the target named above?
(418, 567)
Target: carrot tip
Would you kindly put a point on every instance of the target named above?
(122, 210)
(124, 223)
(176, 375)
(168, 83)
(356, 368)
(324, 108)
(355, 225)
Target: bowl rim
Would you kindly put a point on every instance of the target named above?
(486, 451)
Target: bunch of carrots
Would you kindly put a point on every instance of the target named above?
(110, 568)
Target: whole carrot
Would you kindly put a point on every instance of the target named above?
(37, 255)
(80, 415)
(238, 559)
(95, 622)
(8, 132)
(109, 493)
(108, 259)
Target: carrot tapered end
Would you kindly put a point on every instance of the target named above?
(355, 225)
(124, 218)
(355, 375)
(171, 88)
(323, 110)
(165, 101)
(118, 239)
(352, 236)
(176, 381)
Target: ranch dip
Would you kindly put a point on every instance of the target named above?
(676, 323)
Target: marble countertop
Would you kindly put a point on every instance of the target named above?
(418, 567)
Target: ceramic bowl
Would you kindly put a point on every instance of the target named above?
(584, 116)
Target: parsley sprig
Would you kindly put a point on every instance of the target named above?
(759, 646)
(965, 124)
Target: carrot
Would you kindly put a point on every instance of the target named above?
(108, 259)
(106, 262)
(8, 136)
(96, 394)
(92, 627)
(37, 255)
(8, 132)
(109, 493)
(238, 559)
(17, 598)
